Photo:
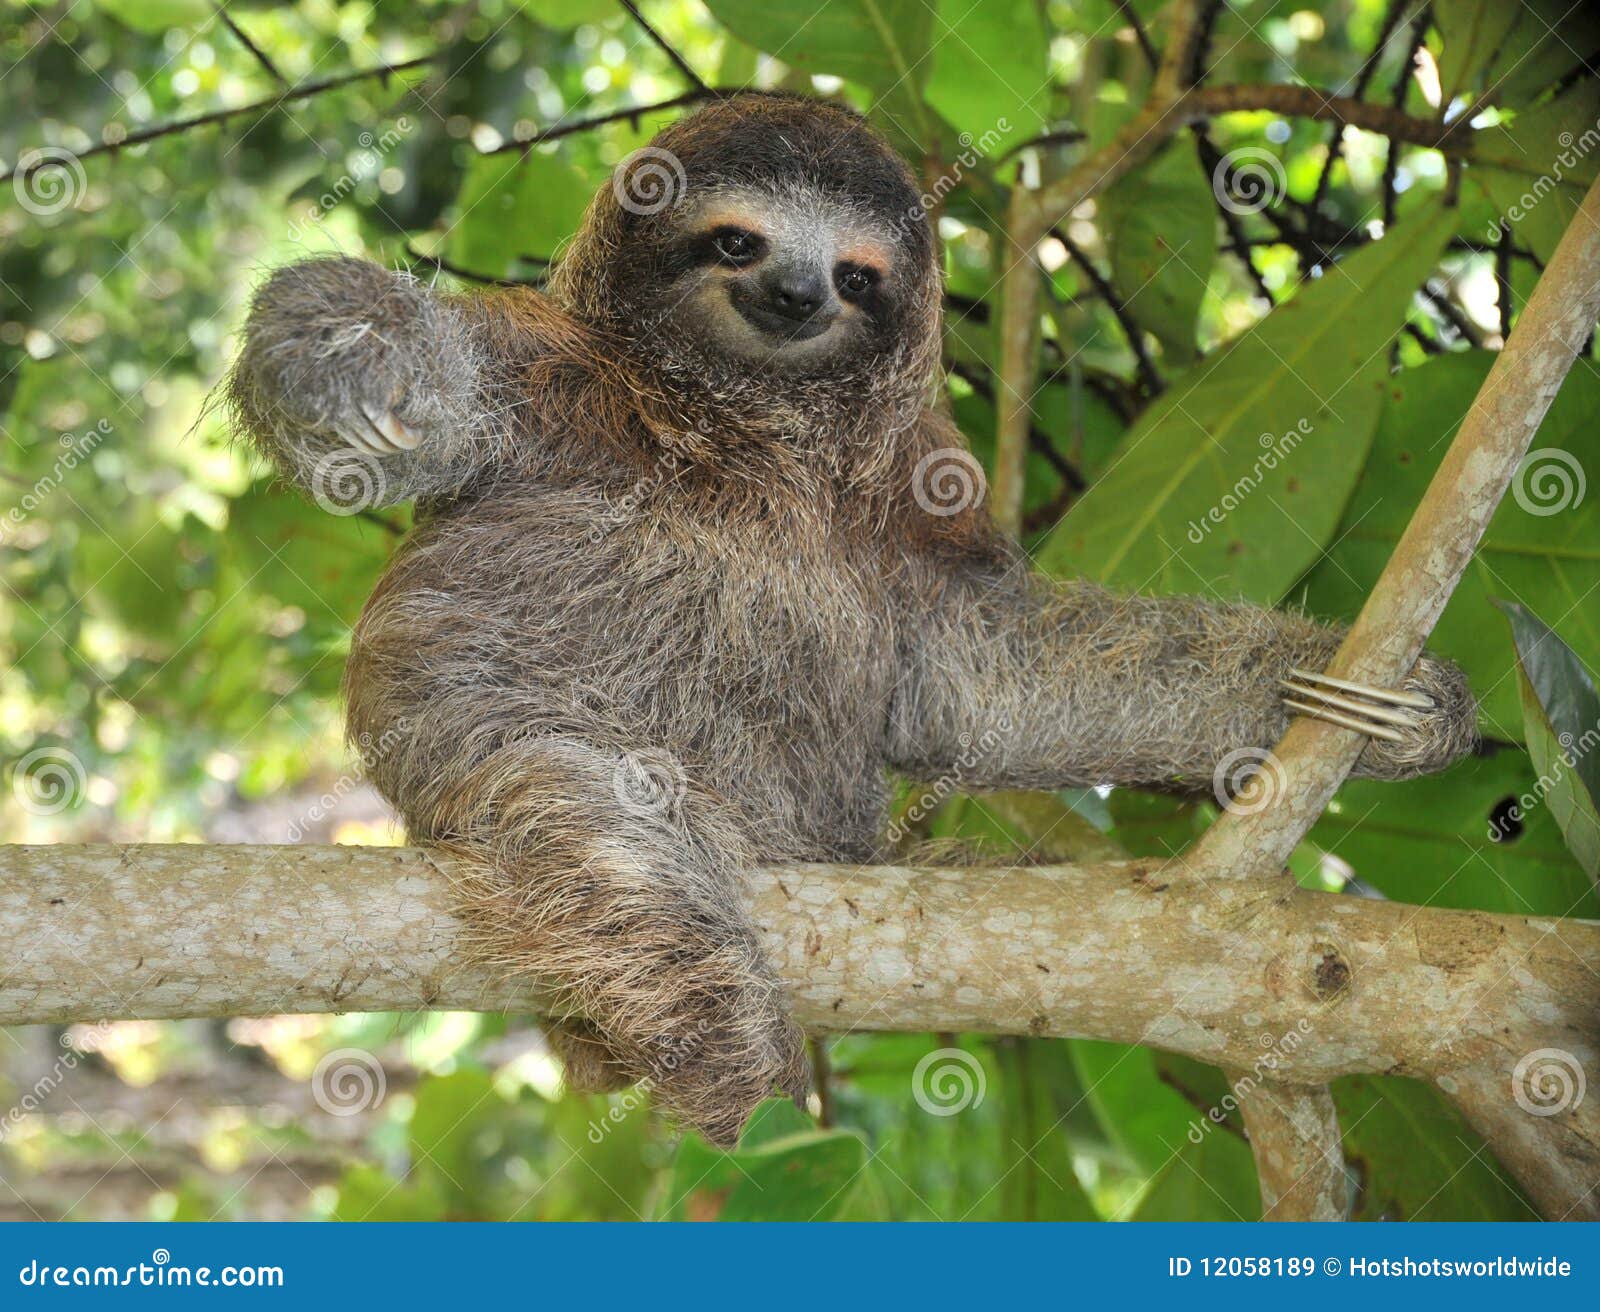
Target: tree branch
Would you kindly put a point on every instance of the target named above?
(665, 46)
(1456, 998)
(256, 107)
(1294, 1136)
(1383, 644)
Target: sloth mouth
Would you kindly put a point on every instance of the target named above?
(781, 326)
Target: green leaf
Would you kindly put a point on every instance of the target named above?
(1235, 478)
(448, 1110)
(1037, 1181)
(1443, 840)
(510, 206)
(302, 555)
(1536, 169)
(990, 77)
(1161, 223)
(1539, 51)
(1207, 1181)
(1415, 1159)
(1561, 712)
(1473, 31)
(797, 1177)
(563, 15)
(882, 45)
(1199, 1169)
(159, 15)
(1542, 546)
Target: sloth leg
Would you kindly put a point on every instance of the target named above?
(628, 903)
(589, 1061)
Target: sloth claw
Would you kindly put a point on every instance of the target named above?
(1377, 712)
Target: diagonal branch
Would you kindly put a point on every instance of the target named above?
(1383, 644)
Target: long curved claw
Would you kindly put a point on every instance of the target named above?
(1376, 712)
(395, 434)
(359, 435)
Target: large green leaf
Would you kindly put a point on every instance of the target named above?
(1561, 712)
(1542, 547)
(1415, 1159)
(1542, 48)
(1234, 480)
(1536, 168)
(990, 77)
(511, 206)
(804, 1176)
(1473, 31)
(1448, 840)
(882, 45)
(1161, 223)
(1199, 1167)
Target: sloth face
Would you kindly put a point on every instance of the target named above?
(790, 278)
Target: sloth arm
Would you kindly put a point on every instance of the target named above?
(355, 380)
(1011, 680)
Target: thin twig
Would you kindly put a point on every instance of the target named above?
(1119, 310)
(441, 265)
(256, 107)
(1397, 100)
(1502, 280)
(665, 46)
(1363, 79)
(256, 51)
(632, 114)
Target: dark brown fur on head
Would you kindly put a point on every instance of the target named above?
(618, 275)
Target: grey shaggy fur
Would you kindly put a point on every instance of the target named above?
(666, 617)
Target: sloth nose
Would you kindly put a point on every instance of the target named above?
(796, 293)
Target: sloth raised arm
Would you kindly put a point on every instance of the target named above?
(1011, 680)
(345, 361)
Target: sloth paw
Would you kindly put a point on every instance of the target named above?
(1416, 729)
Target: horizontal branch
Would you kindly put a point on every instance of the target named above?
(1232, 974)
(256, 107)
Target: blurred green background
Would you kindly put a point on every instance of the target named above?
(172, 624)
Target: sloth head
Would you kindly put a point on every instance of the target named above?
(763, 240)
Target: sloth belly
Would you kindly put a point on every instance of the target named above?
(759, 668)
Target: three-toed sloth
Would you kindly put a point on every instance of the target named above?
(701, 561)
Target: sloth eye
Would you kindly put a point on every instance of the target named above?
(737, 246)
(854, 280)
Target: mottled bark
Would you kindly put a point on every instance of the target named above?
(1262, 978)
